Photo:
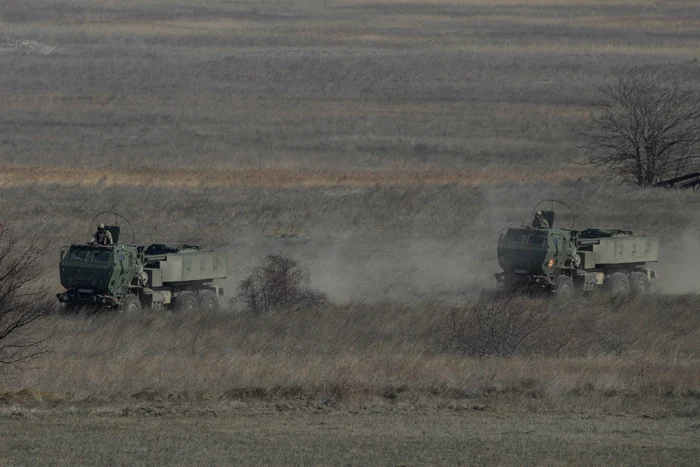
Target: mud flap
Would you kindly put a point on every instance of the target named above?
(585, 281)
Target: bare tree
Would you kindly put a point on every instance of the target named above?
(646, 126)
(279, 284)
(21, 305)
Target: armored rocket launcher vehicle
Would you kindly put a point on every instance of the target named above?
(128, 277)
(563, 261)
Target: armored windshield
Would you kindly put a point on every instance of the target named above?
(102, 257)
(513, 237)
(537, 240)
(79, 255)
(525, 237)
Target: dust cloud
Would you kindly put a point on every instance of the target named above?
(448, 263)
(360, 268)
(405, 267)
(679, 260)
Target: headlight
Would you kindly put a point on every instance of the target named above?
(550, 263)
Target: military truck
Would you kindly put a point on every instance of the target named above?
(562, 261)
(130, 277)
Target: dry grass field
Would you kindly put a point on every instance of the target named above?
(313, 436)
(154, 176)
(358, 384)
(384, 144)
(312, 84)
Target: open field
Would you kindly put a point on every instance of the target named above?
(366, 381)
(439, 85)
(356, 385)
(384, 144)
(642, 356)
(309, 436)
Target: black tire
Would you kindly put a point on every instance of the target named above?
(185, 302)
(639, 283)
(563, 287)
(130, 305)
(208, 301)
(618, 284)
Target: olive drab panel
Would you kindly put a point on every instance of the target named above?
(190, 265)
(626, 249)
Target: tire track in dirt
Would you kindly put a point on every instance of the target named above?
(17, 175)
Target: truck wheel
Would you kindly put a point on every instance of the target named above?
(618, 284)
(185, 302)
(131, 304)
(563, 287)
(639, 283)
(208, 301)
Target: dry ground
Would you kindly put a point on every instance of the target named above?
(438, 85)
(316, 436)
(357, 385)
(384, 144)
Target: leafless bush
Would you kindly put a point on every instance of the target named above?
(607, 326)
(646, 126)
(20, 306)
(279, 284)
(506, 324)
(612, 338)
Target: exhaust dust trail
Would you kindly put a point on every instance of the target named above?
(402, 271)
(679, 262)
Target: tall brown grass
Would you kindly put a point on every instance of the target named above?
(385, 144)
(367, 352)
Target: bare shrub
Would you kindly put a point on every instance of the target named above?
(609, 327)
(21, 307)
(506, 324)
(646, 126)
(279, 284)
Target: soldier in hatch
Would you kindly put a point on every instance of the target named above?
(102, 236)
(539, 222)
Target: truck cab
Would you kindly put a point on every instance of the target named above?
(535, 256)
(97, 274)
